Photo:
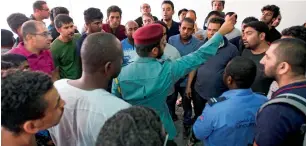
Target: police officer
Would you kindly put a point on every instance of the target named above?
(147, 81)
(230, 118)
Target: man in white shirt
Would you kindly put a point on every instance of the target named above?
(88, 104)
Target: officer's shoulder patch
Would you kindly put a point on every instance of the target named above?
(213, 101)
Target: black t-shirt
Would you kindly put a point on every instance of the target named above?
(139, 20)
(261, 83)
(273, 35)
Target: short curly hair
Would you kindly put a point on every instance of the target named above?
(92, 14)
(296, 32)
(22, 95)
(132, 127)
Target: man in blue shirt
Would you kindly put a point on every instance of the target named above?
(93, 20)
(230, 118)
(280, 124)
(129, 51)
(209, 80)
(168, 11)
(185, 43)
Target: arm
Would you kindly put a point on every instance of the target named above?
(189, 82)
(203, 126)
(185, 64)
(190, 62)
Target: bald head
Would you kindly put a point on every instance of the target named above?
(98, 49)
(130, 28)
(30, 27)
(145, 8)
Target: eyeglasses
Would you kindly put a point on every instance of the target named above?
(44, 34)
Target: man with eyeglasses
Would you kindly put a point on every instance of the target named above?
(41, 11)
(144, 9)
(35, 46)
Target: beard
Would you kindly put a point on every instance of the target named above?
(160, 53)
(270, 72)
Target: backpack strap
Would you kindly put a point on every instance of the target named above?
(294, 100)
(118, 87)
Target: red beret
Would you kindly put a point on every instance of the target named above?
(149, 34)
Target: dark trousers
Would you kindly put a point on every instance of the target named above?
(198, 104)
(186, 102)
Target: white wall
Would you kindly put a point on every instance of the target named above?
(293, 12)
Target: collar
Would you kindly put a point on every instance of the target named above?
(189, 41)
(237, 92)
(289, 87)
(24, 51)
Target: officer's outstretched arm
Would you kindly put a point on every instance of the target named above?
(186, 64)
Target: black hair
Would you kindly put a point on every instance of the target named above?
(231, 13)
(51, 14)
(22, 98)
(113, 9)
(189, 20)
(145, 50)
(99, 48)
(60, 10)
(168, 2)
(292, 51)
(242, 70)
(296, 32)
(62, 19)
(217, 13)
(260, 27)
(92, 14)
(16, 20)
(134, 126)
(249, 19)
(38, 5)
(163, 24)
(273, 8)
(7, 38)
(181, 11)
(212, 2)
(15, 59)
(29, 27)
(217, 21)
(6, 65)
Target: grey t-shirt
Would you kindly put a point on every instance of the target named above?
(262, 83)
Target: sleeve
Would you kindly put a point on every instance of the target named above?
(55, 55)
(116, 88)
(275, 123)
(203, 126)
(186, 64)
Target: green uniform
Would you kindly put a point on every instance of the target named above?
(148, 81)
(65, 57)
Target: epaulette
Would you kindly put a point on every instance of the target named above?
(213, 101)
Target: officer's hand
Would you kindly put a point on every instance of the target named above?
(188, 92)
(199, 36)
(228, 25)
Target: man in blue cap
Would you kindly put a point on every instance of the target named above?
(148, 80)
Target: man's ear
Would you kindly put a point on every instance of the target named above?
(107, 67)
(32, 126)
(155, 51)
(262, 36)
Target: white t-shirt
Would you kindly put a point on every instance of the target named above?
(84, 114)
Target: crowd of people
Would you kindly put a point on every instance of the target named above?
(119, 85)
